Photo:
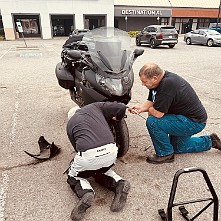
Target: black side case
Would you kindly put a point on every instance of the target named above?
(65, 78)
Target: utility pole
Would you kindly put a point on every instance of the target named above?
(126, 22)
(218, 15)
(170, 22)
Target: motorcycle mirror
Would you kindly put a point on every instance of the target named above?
(138, 52)
(74, 54)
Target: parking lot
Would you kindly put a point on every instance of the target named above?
(33, 104)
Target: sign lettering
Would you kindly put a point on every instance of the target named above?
(141, 12)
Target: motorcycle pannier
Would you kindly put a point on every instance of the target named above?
(65, 78)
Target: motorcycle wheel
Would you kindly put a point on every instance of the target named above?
(121, 136)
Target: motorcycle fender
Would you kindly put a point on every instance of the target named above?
(89, 95)
(64, 76)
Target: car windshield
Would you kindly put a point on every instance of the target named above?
(213, 25)
(168, 29)
(212, 32)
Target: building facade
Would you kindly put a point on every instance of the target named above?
(51, 18)
(185, 15)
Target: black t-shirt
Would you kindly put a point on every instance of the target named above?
(174, 95)
(88, 127)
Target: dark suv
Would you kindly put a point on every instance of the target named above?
(158, 35)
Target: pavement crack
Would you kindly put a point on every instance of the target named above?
(8, 168)
(139, 136)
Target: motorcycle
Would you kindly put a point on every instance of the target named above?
(97, 69)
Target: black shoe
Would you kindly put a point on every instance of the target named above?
(80, 209)
(216, 143)
(120, 197)
(158, 160)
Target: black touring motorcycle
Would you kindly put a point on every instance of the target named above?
(97, 69)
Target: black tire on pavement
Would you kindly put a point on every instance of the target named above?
(121, 136)
(210, 42)
(152, 43)
(188, 41)
(171, 46)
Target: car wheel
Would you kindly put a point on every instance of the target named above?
(138, 42)
(152, 43)
(171, 46)
(188, 41)
(210, 42)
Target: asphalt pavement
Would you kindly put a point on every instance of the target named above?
(32, 104)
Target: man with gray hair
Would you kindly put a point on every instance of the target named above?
(175, 114)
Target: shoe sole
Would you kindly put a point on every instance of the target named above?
(86, 202)
(121, 193)
(160, 162)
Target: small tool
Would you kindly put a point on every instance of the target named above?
(136, 113)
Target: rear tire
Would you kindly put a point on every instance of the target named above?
(188, 41)
(121, 136)
(152, 43)
(210, 42)
(171, 46)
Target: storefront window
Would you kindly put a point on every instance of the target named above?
(165, 21)
(30, 25)
(62, 25)
(203, 23)
(184, 25)
(92, 22)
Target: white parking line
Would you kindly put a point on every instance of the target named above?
(56, 52)
(5, 52)
(210, 82)
(52, 49)
(5, 177)
(3, 194)
(14, 123)
(43, 46)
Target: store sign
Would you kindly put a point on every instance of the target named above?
(19, 26)
(141, 12)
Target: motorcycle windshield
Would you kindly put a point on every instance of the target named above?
(109, 49)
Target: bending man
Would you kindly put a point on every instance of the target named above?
(92, 139)
(175, 114)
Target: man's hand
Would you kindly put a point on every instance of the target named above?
(142, 108)
(135, 109)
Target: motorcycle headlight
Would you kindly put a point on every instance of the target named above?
(114, 86)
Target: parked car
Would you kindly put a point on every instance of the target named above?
(203, 36)
(215, 26)
(156, 35)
